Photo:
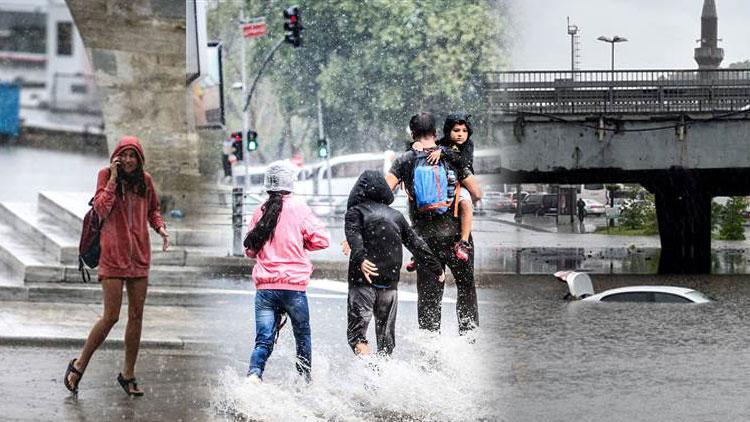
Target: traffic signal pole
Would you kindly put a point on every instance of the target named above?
(321, 135)
(245, 115)
(260, 72)
(249, 94)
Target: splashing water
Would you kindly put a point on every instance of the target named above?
(429, 378)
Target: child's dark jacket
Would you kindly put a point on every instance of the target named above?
(376, 232)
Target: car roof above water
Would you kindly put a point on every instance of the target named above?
(692, 294)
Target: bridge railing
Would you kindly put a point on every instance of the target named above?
(623, 91)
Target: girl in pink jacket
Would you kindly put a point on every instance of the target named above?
(281, 232)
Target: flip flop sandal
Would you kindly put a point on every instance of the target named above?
(71, 368)
(126, 383)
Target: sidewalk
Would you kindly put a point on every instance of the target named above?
(68, 324)
(62, 324)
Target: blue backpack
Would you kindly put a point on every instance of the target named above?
(431, 186)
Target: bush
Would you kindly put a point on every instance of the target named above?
(640, 214)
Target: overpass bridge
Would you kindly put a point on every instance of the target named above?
(682, 134)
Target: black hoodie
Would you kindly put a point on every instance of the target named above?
(376, 231)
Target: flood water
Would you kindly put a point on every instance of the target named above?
(536, 358)
(622, 362)
(441, 377)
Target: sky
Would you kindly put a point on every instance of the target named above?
(661, 33)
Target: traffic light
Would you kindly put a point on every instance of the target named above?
(293, 26)
(322, 148)
(252, 140)
(237, 144)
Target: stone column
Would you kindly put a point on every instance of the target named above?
(137, 50)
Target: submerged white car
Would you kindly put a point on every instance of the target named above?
(580, 287)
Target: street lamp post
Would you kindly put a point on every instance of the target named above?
(612, 41)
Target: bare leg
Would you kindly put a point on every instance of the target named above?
(137, 288)
(466, 212)
(112, 298)
(472, 185)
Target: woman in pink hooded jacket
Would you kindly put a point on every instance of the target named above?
(281, 232)
(127, 205)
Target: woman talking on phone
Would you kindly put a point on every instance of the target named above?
(127, 204)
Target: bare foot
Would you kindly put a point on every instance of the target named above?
(361, 349)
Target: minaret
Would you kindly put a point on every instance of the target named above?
(708, 55)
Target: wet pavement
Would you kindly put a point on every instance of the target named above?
(176, 384)
(535, 357)
(207, 381)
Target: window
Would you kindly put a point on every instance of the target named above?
(533, 200)
(64, 39)
(670, 298)
(629, 297)
(23, 32)
(355, 168)
(78, 89)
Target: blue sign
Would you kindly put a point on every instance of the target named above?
(9, 100)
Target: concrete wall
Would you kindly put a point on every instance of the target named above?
(546, 146)
(137, 49)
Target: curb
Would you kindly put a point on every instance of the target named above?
(118, 344)
(523, 226)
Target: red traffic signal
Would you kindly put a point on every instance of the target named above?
(293, 26)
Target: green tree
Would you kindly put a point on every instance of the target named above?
(640, 214)
(740, 65)
(376, 62)
(717, 210)
(731, 219)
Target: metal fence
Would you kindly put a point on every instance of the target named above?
(624, 91)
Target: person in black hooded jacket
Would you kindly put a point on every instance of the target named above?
(375, 233)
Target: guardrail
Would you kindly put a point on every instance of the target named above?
(623, 91)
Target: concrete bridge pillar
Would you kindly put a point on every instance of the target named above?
(137, 50)
(683, 209)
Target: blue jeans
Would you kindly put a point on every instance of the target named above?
(269, 305)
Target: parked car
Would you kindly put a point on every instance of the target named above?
(539, 204)
(325, 206)
(494, 201)
(580, 287)
(594, 207)
(505, 203)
